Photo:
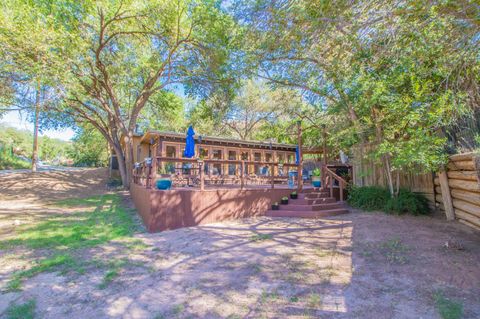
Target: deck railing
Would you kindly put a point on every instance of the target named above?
(201, 172)
(329, 177)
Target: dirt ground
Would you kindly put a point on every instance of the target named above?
(358, 265)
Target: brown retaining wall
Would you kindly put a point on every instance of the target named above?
(463, 188)
(162, 210)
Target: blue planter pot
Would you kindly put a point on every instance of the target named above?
(164, 184)
(316, 183)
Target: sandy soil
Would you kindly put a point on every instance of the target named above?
(358, 265)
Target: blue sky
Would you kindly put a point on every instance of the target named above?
(14, 119)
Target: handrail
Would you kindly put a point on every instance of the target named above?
(338, 178)
(342, 183)
(220, 161)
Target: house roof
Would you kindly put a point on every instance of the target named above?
(210, 140)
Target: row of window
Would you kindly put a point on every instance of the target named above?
(230, 169)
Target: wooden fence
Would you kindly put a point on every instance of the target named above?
(367, 172)
(454, 191)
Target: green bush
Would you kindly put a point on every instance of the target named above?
(368, 198)
(377, 198)
(407, 202)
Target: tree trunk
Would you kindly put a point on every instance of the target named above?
(35, 130)
(388, 171)
(128, 158)
(121, 165)
(397, 190)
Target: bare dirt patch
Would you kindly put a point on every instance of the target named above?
(359, 265)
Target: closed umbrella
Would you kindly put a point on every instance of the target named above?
(190, 144)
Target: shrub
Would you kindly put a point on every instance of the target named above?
(407, 202)
(377, 198)
(368, 198)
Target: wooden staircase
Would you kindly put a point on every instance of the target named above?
(311, 204)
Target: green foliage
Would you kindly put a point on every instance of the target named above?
(21, 311)
(8, 160)
(20, 141)
(166, 112)
(261, 237)
(372, 198)
(103, 220)
(447, 308)
(89, 148)
(407, 202)
(382, 78)
(368, 198)
(317, 172)
(15, 143)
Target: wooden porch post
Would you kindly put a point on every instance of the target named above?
(242, 175)
(325, 159)
(154, 162)
(341, 190)
(272, 175)
(300, 157)
(202, 177)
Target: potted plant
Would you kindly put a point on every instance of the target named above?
(284, 200)
(164, 183)
(293, 195)
(316, 177)
(275, 206)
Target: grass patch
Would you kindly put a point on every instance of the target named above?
(64, 261)
(266, 296)
(114, 267)
(21, 311)
(293, 299)
(261, 237)
(395, 251)
(448, 309)
(108, 221)
(61, 237)
(178, 309)
(109, 277)
(314, 300)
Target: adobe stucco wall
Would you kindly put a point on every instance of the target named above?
(161, 210)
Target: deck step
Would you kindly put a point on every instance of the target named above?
(314, 195)
(312, 201)
(306, 207)
(307, 214)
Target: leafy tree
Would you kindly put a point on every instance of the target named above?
(89, 148)
(165, 112)
(391, 73)
(29, 65)
(119, 55)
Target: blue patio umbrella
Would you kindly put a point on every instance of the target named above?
(297, 156)
(190, 144)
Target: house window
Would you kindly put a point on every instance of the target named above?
(203, 153)
(291, 158)
(245, 156)
(281, 160)
(232, 168)
(268, 157)
(217, 168)
(171, 152)
(257, 157)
